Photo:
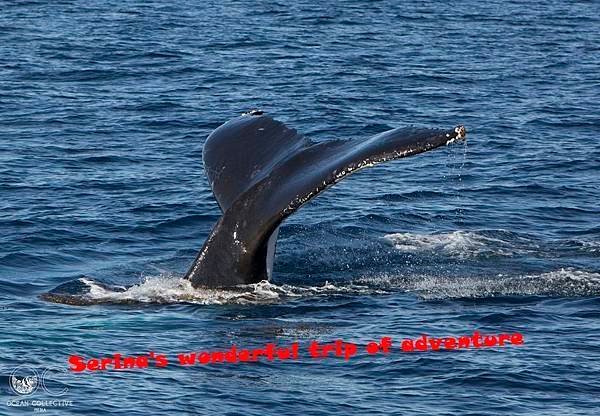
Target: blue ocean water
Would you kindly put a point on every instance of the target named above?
(104, 108)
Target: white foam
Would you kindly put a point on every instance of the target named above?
(590, 246)
(563, 282)
(173, 289)
(462, 244)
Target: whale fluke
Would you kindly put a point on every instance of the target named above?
(261, 171)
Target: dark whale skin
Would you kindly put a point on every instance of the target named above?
(261, 171)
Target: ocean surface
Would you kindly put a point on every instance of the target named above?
(104, 109)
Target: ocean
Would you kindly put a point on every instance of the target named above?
(104, 109)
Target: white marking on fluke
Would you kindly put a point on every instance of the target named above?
(254, 112)
(461, 133)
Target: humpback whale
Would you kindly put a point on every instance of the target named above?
(261, 171)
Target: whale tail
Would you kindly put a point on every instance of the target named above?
(261, 171)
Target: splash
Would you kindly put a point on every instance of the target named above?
(173, 289)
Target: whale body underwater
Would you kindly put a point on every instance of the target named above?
(261, 171)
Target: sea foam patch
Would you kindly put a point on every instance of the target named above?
(563, 282)
(461, 244)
